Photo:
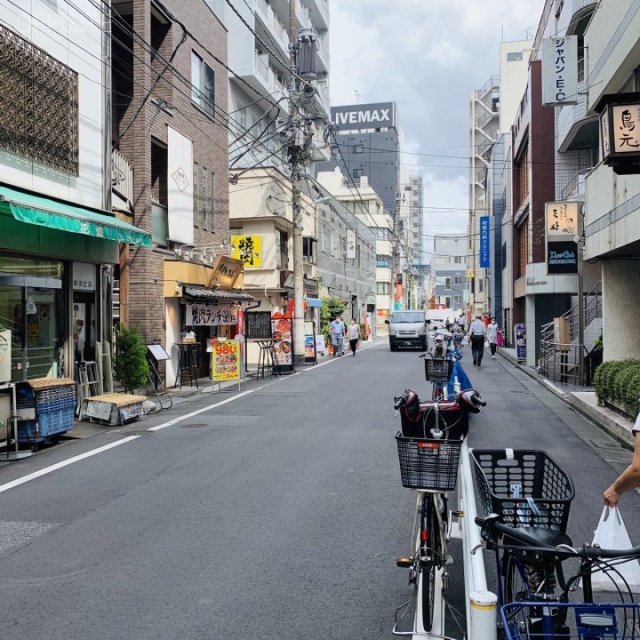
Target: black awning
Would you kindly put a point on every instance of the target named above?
(204, 294)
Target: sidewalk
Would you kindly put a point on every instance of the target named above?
(583, 400)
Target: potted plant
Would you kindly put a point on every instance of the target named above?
(131, 367)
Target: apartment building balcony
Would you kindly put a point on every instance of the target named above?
(275, 30)
(324, 57)
(303, 15)
(319, 12)
(322, 97)
(575, 129)
(262, 77)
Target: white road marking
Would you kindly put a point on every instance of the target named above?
(195, 413)
(64, 463)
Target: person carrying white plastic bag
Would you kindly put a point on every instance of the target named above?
(612, 534)
(630, 478)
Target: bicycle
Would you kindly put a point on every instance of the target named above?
(430, 466)
(528, 496)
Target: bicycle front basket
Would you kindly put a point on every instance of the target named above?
(527, 488)
(437, 369)
(428, 464)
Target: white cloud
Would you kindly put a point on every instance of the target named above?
(426, 56)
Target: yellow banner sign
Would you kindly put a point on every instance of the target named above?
(247, 249)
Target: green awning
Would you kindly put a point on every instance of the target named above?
(44, 212)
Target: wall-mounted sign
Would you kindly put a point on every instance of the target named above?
(562, 219)
(351, 244)
(562, 257)
(620, 131)
(485, 246)
(208, 315)
(225, 272)
(364, 116)
(247, 249)
(84, 276)
(560, 71)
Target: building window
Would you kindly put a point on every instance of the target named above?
(514, 56)
(447, 284)
(204, 184)
(39, 110)
(202, 84)
(358, 148)
(383, 261)
(308, 250)
(383, 288)
(283, 253)
(358, 173)
(523, 249)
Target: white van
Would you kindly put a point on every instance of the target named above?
(408, 328)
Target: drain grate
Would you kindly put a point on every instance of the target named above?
(194, 425)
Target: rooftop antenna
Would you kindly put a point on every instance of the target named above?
(357, 95)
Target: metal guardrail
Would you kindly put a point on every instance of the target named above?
(565, 363)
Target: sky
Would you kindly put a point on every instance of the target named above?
(426, 56)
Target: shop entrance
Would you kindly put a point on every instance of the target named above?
(32, 309)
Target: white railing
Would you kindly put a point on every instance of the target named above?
(121, 175)
(481, 603)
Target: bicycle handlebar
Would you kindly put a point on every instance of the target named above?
(491, 526)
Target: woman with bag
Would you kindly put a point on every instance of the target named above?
(354, 336)
(630, 478)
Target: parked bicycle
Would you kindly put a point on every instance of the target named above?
(429, 453)
(527, 496)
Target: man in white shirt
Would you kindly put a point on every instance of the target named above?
(477, 334)
(337, 336)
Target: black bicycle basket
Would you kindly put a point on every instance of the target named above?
(437, 369)
(527, 488)
(427, 463)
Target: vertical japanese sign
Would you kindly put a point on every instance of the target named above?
(247, 249)
(351, 244)
(562, 227)
(520, 340)
(560, 71)
(485, 246)
(225, 360)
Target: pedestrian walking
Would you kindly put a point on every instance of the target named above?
(477, 334)
(492, 336)
(338, 332)
(354, 336)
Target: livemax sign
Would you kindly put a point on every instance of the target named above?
(366, 116)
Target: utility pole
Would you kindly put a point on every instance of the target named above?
(299, 143)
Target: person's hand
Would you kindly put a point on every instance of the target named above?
(611, 497)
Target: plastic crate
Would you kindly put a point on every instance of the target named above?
(527, 488)
(427, 463)
(437, 369)
(49, 423)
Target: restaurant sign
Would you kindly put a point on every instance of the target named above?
(208, 315)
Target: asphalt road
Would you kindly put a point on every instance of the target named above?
(275, 514)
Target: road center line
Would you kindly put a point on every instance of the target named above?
(195, 413)
(64, 463)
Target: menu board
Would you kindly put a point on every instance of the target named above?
(282, 335)
(225, 360)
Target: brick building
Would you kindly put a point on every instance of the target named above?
(170, 132)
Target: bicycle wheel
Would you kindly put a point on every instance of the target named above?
(428, 559)
(526, 582)
(515, 590)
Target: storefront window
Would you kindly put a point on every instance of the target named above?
(32, 308)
